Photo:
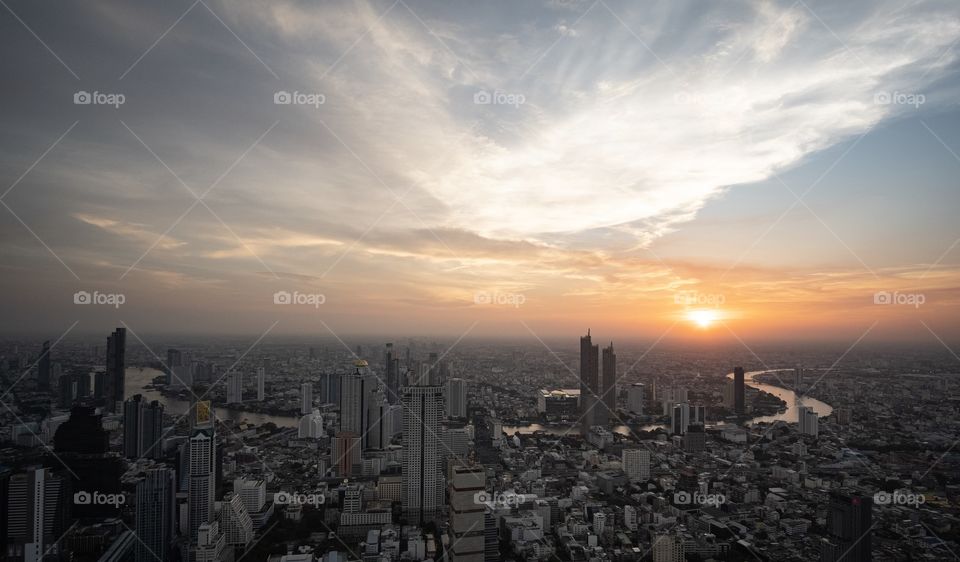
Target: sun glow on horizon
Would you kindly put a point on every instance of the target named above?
(703, 318)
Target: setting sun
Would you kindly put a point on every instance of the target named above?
(702, 318)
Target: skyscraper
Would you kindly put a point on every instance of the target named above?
(609, 381)
(235, 521)
(142, 428)
(156, 515)
(345, 452)
(466, 513)
(849, 522)
(739, 405)
(43, 367)
(355, 389)
(423, 487)
(202, 468)
(589, 379)
(235, 387)
(456, 399)
(261, 383)
(174, 360)
(635, 398)
(379, 424)
(37, 512)
(680, 418)
(306, 398)
(391, 366)
(809, 421)
(310, 426)
(115, 380)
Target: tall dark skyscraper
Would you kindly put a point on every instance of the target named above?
(38, 511)
(116, 365)
(608, 382)
(739, 403)
(391, 366)
(156, 515)
(589, 379)
(43, 367)
(849, 522)
(142, 428)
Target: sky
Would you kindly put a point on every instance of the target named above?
(750, 170)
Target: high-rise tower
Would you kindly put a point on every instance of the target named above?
(589, 379)
(422, 480)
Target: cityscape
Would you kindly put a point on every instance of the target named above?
(424, 280)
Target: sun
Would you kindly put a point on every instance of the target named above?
(702, 318)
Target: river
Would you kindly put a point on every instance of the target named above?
(137, 377)
(790, 415)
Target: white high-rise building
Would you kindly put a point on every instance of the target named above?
(235, 388)
(253, 493)
(599, 522)
(635, 397)
(636, 463)
(311, 425)
(809, 421)
(306, 398)
(261, 384)
(423, 486)
(35, 498)
(456, 398)
(202, 469)
(235, 521)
